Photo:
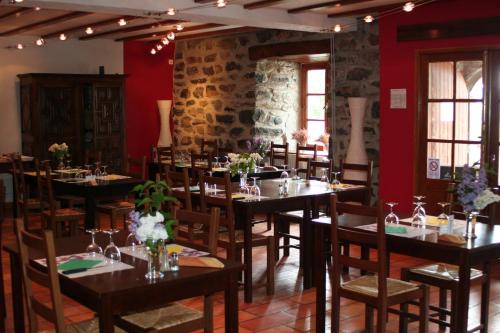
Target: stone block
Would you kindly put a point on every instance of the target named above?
(211, 91)
(192, 70)
(236, 132)
(224, 118)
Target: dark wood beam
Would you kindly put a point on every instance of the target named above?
(288, 49)
(45, 23)
(93, 25)
(232, 31)
(204, 1)
(336, 3)
(123, 30)
(365, 11)
(450, 29)
(262, 4)
(16, 12)
(164, 32)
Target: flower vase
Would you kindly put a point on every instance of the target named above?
(165, 138)
(154, 271)
(470, 226)
(356, 152)
(243, 179)
(60, 164)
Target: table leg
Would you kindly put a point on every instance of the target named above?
(485, 297)
(105, 314)
(463, 297)
(90, 204)
(306, 238)
(231, 304)
(246, 216)
(17, 293)
(320, 276)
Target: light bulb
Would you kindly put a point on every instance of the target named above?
(171, 35)
(337, 28)
(165, 41)
(20, 46)
(40, 41)
(62, 37)
(221, 3)
(89, 31)
(179, 27)
(159, 47)
(122, 22)
(153, 51)
(171, 11)
(408, 7)
(18, 1)
(368, 19)
(37, 8)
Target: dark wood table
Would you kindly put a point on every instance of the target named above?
(118, 292)
(479, 252)
(302, 196)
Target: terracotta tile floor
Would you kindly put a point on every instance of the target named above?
(291, 309)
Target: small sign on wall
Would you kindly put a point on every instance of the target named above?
(398, 98)
(433, 168)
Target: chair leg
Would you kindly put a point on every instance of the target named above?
(346, 250)
(403, 307)
(271, 266)
(443, 304)
(423, 325)
(454, 307)
(208, 312)
(276, 238)
(485, 296)
(269, 218)
(368, 318)
(381, 319)
(285, 227)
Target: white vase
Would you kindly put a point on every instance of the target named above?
(356, 153)
(165, 138)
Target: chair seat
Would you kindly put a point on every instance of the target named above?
(444, 271)
(116, 205)
(368, 285)
(65, 212)
(161, 318)
(87, 326)
(196, 229)
(239, 237)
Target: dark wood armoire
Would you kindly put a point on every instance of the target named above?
(85, 111)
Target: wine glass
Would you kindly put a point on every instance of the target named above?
(255, 189)
(336, 181)
(93, 249)
(419, 207)
(216, 164)
(112, 251)
(418, 218)
(97, 171)
(284, 174)
(392, 217)
(324, 176)
(443, 215)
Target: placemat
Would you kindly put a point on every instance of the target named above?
(183, 251)
(209, 262)
(431, 221)
(411, 232)
(113, 177)
(246, 197)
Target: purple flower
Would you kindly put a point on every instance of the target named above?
(472, 184)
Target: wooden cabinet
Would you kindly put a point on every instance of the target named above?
(85, 111)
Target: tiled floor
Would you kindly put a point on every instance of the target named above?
(290, 310)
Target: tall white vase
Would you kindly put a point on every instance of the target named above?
(356, 153)
(165, 138)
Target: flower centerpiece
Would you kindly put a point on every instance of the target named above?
(59, 152)
(300, 136)
(242, 164)
(324, 139)
(259, 146)
(473, 194)
(150, 223)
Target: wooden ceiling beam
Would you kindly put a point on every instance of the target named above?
(204, 1)
(45, 23)
(259, 52)
(262, 4)
(16, 13)
(93, 25)
(123, 30)
(224, 32)
(335, 3)
(164, 32)
(365, 11)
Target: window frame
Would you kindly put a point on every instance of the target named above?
(304, 94)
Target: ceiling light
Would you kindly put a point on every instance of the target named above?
(89, 31)
(20, 46)
(337, 28)
(40, 42)
(159, 46)
(122, 22)
(221, 3)
(37, 8)
(165, 41)
(338, 4)
(179, 27)
(171, 35)
(408, 7)
(153, 51)
(171, 11)
(368, 19)
(18, 1)
(62, 37)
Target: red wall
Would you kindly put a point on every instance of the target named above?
(398, 70)
(150, 78)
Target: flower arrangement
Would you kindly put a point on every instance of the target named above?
(300, 136)
(324, 138)
(243, 162)
(259, 146)
(472, 191)
(59, 151)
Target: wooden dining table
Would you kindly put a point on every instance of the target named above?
(479, 252)
(122, 291)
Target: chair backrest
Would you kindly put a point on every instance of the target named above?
(210, 222)
(304, 154)
(200, 162)
(46, 193)
(364, 170)
(2, 203)
(92, 156)
(321, 166)
(18, 177)
(179, 180)
(166, 154)
(213, 145)
(136, 167)
(278, 153)
(373, 240)
(30, 243)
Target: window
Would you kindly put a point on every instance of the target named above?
(314, 83)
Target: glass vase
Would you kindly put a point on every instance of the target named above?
(470, 226)
(154, 269)
(243, 179)
(60, 164)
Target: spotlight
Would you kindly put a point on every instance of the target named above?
(40, 42)
(159, 47)
(165, 41)
(408, 7)
(62, 37)
(171, 35)
(122, 22)
(171, 11)
(37, 8)
(153, 51)
(89, 31)
(179, 27)
(20, 46)
(368, 19)
(221, 3)
(337, 28)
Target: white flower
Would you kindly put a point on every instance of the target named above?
(255, 156)
(485, 198)
(151, 227)
(54, 147)
(63, 146)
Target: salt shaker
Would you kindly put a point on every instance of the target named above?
(174, 262)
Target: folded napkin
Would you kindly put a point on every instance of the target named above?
(194, 188)
(434, 221)
(78, 264)
(337, 186)
(452, 238)
(394, 229)
(239, 196)
(200, 262)
(174, 248)
(219, 169)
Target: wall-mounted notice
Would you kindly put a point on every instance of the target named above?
(398, 98)
(433, 168)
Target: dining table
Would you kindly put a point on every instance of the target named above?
(421, 242)
(305, 195)
(126, 289)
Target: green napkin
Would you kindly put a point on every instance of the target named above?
(78, 263)
(392, 229)
(194, 189)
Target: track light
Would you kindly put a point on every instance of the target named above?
(179, 27)
(153, 51)
(221, 3)
(122, 22)
(171, 11)
(89, 31)
(171, 35)
(337, 28)
(20, 46)
(159, 46)
(368, 19)
(165, 41)
(63, 37)
(40, 42)
(408, 7)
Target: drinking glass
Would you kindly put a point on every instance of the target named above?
(93, 249)
(97, 171)
(284, 174)
(132, 240)
(392, 217)
(216, 164)
(443, 215)
(324, 176)
(293, 174)
(255, 189)
(419, 208)
(336, 181)
(418, 218)
(112, 251)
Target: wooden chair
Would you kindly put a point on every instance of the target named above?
(24, 205)
(166, 155)
(305, 154)
(3, 310)
(322, 166)
(209, 146)
(230, 239)
(91, 157)
(376, 291)
(365, 173)
(2, 201)
(175, 317)
(46, 279)
(53, 217)
(134, 167)
(278, 153)
(200, 162)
